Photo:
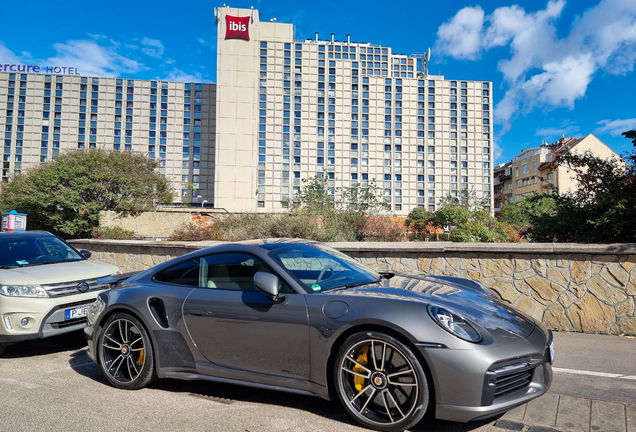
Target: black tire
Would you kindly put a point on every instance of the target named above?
(125, 352)
(383, 388)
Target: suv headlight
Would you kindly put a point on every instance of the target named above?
(454, 324)
(23, 291)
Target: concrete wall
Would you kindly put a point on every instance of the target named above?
(159, 223)
(585, 288)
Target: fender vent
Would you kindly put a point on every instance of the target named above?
(158, 311)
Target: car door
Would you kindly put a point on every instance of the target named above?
(234, 325)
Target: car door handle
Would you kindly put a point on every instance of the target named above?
(194, 315)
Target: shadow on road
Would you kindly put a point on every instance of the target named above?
(226, 393)
(55, 344)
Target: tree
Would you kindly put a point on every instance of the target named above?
(601, 210)
(466, 199)
(520, 215)
(465, 218)
(342, 212)
(65, 196)
(630, 135)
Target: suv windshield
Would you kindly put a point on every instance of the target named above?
(35, 250)
(324, 268)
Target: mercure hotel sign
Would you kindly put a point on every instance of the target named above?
(65, 70)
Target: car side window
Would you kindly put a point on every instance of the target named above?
(184, 273)
(233, 271)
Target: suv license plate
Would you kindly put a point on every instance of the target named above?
(78, 312)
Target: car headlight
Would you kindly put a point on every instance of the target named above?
(454, 324)
(23, 291)
(95, 308)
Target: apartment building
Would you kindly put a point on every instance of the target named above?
(43, 114)
(534, 170)
(350, 112)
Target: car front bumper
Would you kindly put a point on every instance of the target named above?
(44, 317)
(479, 384)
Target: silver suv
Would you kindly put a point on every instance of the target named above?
(45, 286)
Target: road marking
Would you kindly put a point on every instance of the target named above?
(599, 374)
(19, 383)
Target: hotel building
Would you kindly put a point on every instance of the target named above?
(289, 110)
(282, 111)
(44, 114)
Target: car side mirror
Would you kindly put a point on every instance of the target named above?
(268, 284)
(85, 253)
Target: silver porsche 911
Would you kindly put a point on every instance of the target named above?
(301, 317)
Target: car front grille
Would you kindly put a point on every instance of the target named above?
(513, 381)
(69, 288)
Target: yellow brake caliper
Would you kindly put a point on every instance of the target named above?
(142, 355)
(363, 359)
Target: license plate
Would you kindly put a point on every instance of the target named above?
(551, 348)
(78, 312)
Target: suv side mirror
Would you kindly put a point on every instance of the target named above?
(268, 284)
(85, 253)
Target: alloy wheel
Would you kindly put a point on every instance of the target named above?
(123, 351)
(379, 383)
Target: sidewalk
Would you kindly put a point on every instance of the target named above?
(554, 412)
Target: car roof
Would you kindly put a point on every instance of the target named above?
(21, 234)
(274, 243)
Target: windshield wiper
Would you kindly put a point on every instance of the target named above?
(42, 263)
(7, 267)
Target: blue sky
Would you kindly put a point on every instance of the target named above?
(557, 67)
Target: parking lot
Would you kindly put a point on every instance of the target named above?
(51, 384)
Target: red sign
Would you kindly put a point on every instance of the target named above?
(237, 27)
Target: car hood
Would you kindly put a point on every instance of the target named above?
(55, 273)
(468, 301)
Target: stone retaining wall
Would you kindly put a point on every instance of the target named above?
(160, 223)
(585, 288)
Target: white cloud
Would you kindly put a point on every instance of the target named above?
(97, 57)
(615, 127)
(182, 76)
(7, 56)
(567, 127)
(543, 70)
(208, 43)
(152, 47)
(460, 37)
(90, 58)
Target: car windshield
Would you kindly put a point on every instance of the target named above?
(35, 250)
(322, 268)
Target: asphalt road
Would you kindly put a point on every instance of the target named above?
(52, 385)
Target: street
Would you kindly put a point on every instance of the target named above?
(51, 384)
